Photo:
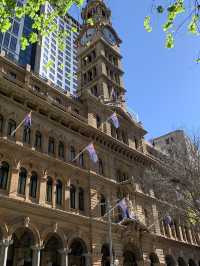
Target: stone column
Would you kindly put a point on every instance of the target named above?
(87, 259)
(36, 256)
(27, 185)
(42, 190)
(67, 196)
(65, 256)
(4, 252)
(54, 194)
(14, 181)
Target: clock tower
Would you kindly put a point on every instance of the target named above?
(100, 72)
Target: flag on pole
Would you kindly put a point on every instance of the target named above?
(92, 152)
(114, 120)
(124, 208)
(28, 120)
(168, 220)
(113, 94)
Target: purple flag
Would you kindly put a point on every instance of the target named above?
(124, 207)
(92, 153)
(115, 120)
(28, 120)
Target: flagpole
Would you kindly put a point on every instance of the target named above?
(110, 234)
(79, 154)
(14, 131)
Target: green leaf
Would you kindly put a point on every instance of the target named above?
(90, 21)
(169, 43)
(192, 27)
(49, 64)
(160, 9)
(147, 25)
(24, 43)
(33, 38)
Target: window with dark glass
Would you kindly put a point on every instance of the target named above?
(101, 170)
(27, 135)
(72, 153)
(58, 192)
(49, 189)
(33, 185)
(103, 205)
(51, 147)
(72, 197)
(81, 199)
(4, 172)
(94, 91)
(11, 127)
(61, 150)
(22, 181)
(98, 120)
(38, 140)
(1, 123)
(81, 160)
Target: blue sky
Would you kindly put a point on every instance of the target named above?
(163, 86)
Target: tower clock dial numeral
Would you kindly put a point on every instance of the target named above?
(109, 36)
(87, 36)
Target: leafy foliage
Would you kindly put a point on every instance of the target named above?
(147, 25)
(43, 24)
(178, 14)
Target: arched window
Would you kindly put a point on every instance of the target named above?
(81, 199)
(72, 197)
(27, 135)
(118, 133)
(103, 205)
(38, 140)
(33, 185)
(49, 189)
(1, 123)
(51, 147)
(118, 176)
(11, 126)
(61, 150)
(81, 160)
(4, 172)
(59, 192)
(22, 181)
(101, 170)
(98, 121)
(72, 153)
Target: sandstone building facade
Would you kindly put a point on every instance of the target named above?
(52, 209)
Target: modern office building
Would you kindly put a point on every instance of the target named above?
(63, 69)
(53, 207)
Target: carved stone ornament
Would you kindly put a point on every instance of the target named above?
(26, 221)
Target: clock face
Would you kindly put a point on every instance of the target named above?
(109, 36)
(87, 36)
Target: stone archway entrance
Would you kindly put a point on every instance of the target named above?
(51, 255)
(78, 253)
(129, 259)
(154, 260)
(20, 253)
(105, 252)
(181, 262)
(170, 260)
(191, 262)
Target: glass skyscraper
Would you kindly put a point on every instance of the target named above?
(64, 63)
